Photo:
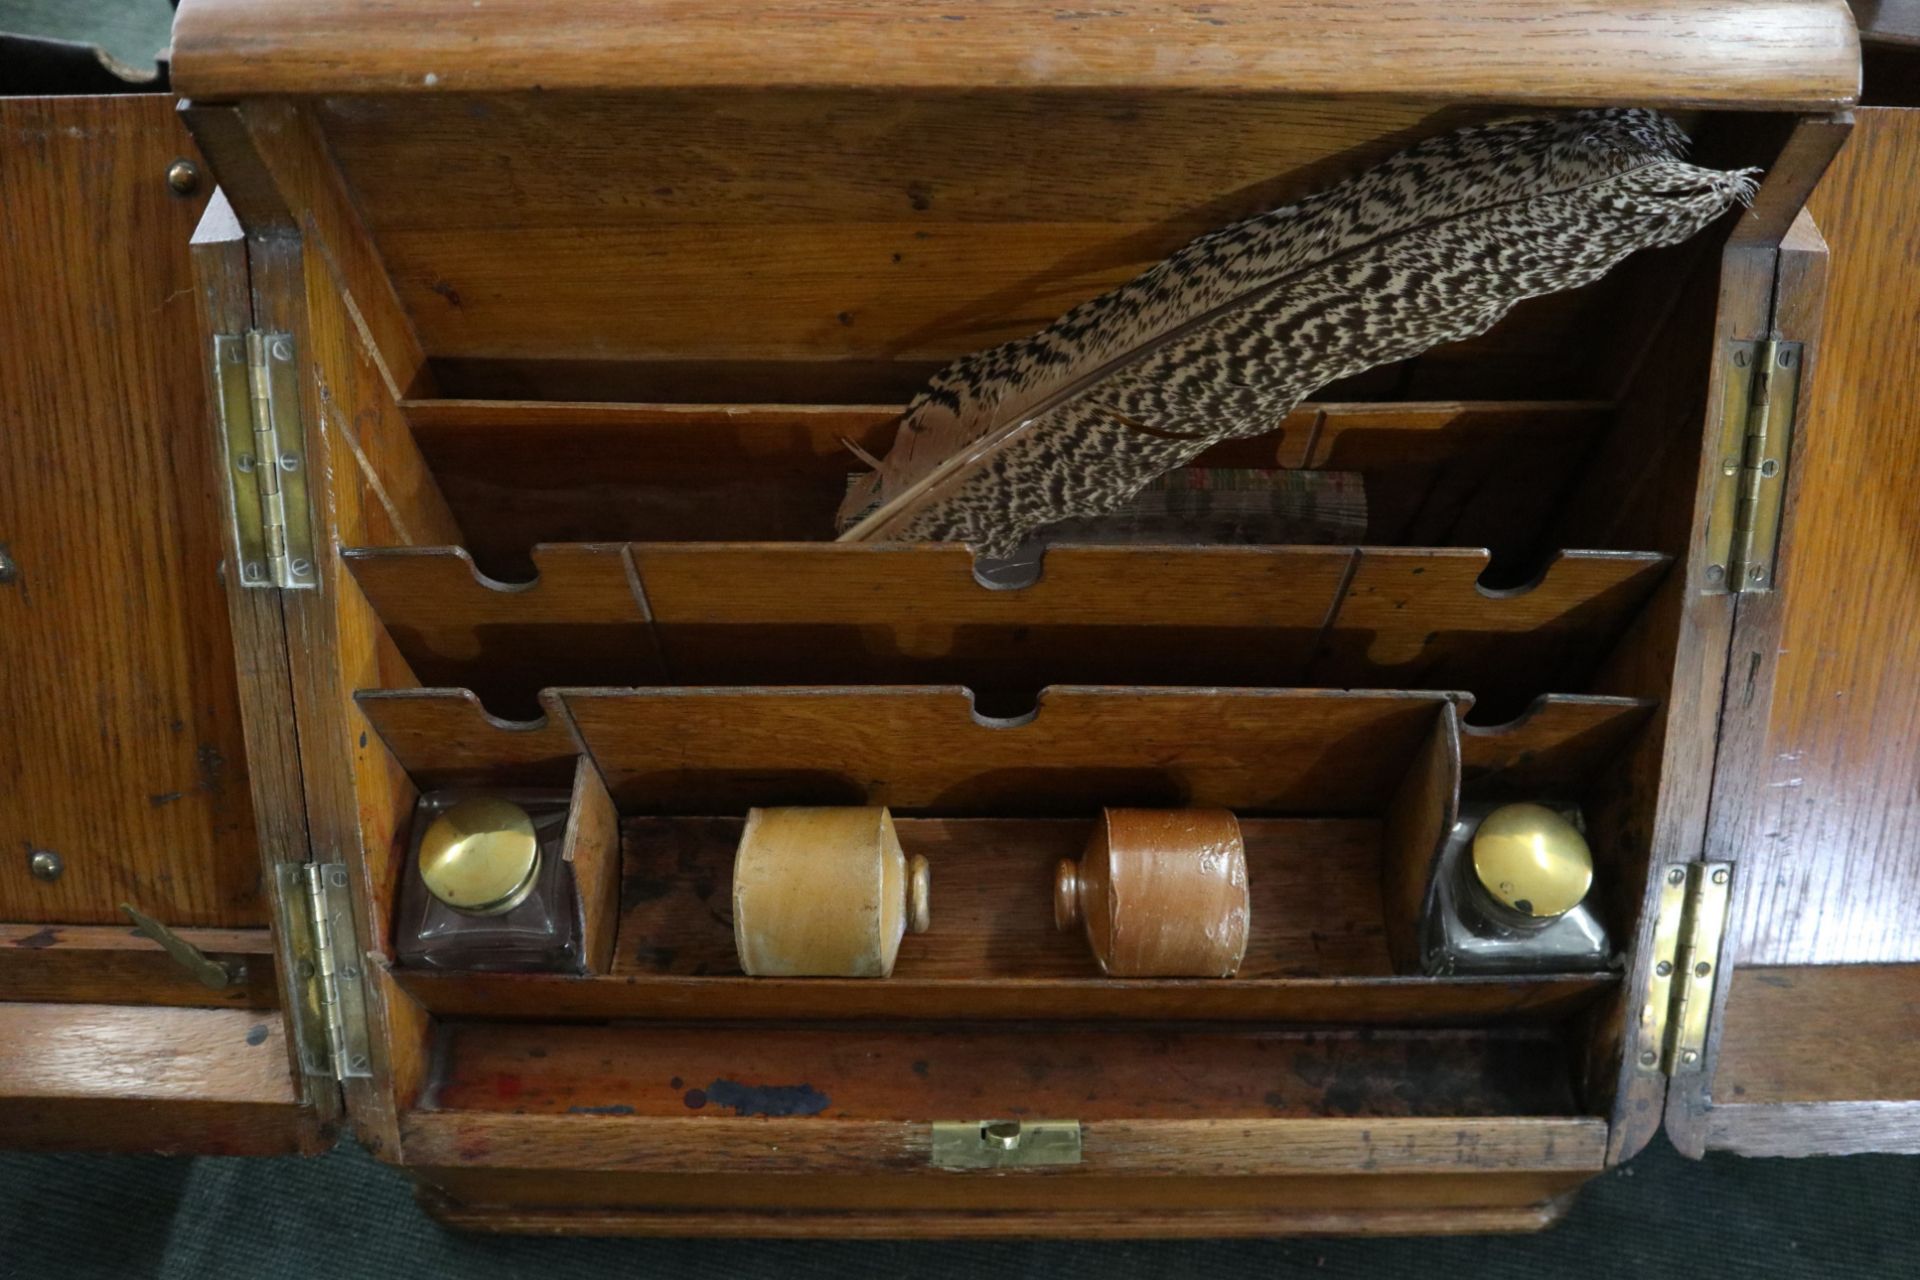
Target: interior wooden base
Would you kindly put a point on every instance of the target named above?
(991, 1207)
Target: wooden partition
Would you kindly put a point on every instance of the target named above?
(805, 614)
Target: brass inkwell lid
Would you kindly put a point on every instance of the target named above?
(480, 856)
(1532, 861)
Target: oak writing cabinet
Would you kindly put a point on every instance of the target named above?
(552, 322)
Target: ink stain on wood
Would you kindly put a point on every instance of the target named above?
(614, 1109)
(35, 941)
(761, 1099)
(257, 1034)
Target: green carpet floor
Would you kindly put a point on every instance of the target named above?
(343, 1215)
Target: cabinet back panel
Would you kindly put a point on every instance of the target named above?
(785, 229)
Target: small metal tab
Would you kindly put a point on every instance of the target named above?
(1756, 435)
(266, 469)
(1708, 886)
(316, 916)
(1004, 1144)
(210, 973)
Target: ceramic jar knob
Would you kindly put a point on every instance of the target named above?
(824, 893)
(1162, 893)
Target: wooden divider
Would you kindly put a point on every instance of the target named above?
(1417, 618)
(591, 845)
(1557, 746)
(581, 616)
(719, 751)
(444, 737)
(523, 472)
(799, 613)
(1419, 817)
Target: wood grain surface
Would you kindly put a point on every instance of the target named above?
(592, 847)
(799, 613)
(1672, 51)
(1464, 1146)
(122, 750)
(1335, 1002)
(642, 246)
(1827, 823)
(1419, 817)
(841, 1207)
(923, 750)
(174, 1081)
(823, 1075)
(1820, 1033)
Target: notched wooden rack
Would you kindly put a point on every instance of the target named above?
(798, 613)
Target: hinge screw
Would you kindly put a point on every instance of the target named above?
(1664, 969)
(1716, 572)
(1648, 1058)
(1676, 876)
(1757, 574)
(244, 464)
(183, 177)
(1690, 1057)
(1740, 359)
(1720, 876)
(289, 461)
(282, 349)
(45, 864)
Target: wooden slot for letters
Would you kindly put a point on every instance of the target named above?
(819, 614)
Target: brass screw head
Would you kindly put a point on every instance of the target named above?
(183, 177)
(45, 864)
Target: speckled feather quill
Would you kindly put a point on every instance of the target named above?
(1227, 335)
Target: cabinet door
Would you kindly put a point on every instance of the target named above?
(1814, 1040)
(123, 770)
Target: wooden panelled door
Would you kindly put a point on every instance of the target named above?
(123, 774)
(1814, 1045)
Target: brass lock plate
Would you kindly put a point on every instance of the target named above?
(1005, 1144)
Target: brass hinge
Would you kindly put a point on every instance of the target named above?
(330, 1018)
(1004, 1144)
(1687, 936)
(266, 466)
(1756, 436)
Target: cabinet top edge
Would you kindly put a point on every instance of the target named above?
(1728, 54)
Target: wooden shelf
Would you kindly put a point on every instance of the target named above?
(829, 614)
